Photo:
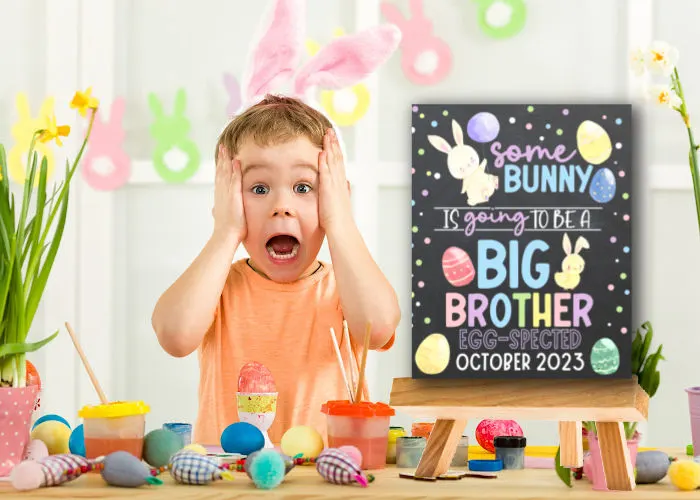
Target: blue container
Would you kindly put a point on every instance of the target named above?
(184, 430)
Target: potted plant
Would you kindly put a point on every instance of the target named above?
(30, 236)
(645, 368)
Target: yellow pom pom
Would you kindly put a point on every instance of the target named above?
(55, 436)
(685, 474)
(197, 448)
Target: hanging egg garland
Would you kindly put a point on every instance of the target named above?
(501, 18)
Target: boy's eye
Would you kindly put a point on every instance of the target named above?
(260, 189)
(302, 188)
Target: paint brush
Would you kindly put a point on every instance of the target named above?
(340, 363)
(365, 351)
(351, 357)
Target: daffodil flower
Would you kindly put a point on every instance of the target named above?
(638, 61)
(662, 58)
(82, 101)
(664, 95)
(53, 131)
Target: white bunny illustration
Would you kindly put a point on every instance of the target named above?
(463, 163)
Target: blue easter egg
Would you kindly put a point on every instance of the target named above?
(603, 186)
(76, 443)
(243, 438)
(51, 416)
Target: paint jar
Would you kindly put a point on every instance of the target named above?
(394, 434)
(118, 426)
(181, 429)
(461, 453)
(511, 451)
(364, 425)
(409, 450)
(422, 429)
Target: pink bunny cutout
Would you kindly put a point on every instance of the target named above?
(105, 147)
(345, 61)
(418, 42)
(233, 89)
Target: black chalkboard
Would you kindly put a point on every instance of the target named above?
(521, 236)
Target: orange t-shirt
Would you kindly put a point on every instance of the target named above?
(286, 327)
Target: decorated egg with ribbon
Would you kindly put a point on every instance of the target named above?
(457, 267)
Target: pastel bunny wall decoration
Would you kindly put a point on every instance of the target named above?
(501, 18)
(233, 89)
(106, 165)
(426, 59)
(175, 156)
(277, 51)
(345, 106)
(23, 132)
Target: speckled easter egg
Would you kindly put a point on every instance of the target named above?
(457, 267)
(603, 186)
(593, 142)
(489, 429)
(605, 357)
(433, 354)
(255, 377)
(243, 438)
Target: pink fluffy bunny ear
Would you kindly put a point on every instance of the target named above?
(275, 56)
(349, 59)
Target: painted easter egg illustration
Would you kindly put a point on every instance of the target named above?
(457, 267)
(483, 127)
(488, 429)
(603, 186)
(433, 354)
(593, 142)
(605, 357)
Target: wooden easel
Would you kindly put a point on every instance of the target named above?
(569, 402)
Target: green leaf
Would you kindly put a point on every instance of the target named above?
(22, 348)
(563, 472)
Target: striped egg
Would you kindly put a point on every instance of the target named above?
(457, 267)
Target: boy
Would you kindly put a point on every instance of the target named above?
(280, 188)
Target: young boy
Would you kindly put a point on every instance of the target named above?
(280, 189)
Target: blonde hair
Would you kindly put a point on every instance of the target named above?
(274, 120)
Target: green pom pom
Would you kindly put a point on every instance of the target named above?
(159, 445)
(268, 469)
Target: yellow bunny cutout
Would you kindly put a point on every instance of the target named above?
(23, 131)
(346, 106)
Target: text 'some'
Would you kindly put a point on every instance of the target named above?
(521, 241)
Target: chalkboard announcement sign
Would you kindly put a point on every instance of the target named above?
(521, 236)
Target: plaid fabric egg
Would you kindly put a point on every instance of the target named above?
(188, 467)
(59, 469)
(337, 467)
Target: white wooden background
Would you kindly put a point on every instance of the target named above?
(81, 45)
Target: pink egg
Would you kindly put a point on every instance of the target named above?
(457, 267)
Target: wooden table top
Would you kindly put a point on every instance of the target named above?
(304, 482)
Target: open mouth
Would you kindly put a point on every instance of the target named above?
(282, 247)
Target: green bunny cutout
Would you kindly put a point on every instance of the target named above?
(170, 133)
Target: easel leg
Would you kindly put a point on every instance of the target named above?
(571, 440)
(440, 448)
(616, 456)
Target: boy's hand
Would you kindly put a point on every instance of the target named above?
(229, 215)
(335, 208)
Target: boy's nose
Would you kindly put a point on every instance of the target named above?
(284, 212)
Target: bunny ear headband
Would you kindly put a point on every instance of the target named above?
(344, 62)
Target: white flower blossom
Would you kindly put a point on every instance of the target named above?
(662, 58)
(663, 95)
(638, 61)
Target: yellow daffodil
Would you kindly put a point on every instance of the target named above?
(82, 101)
(663, 95)
(53, 131)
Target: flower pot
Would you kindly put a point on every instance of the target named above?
(16, 408)
(593, 462)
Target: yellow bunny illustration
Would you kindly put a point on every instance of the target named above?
(23, 131)
(572, 265)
